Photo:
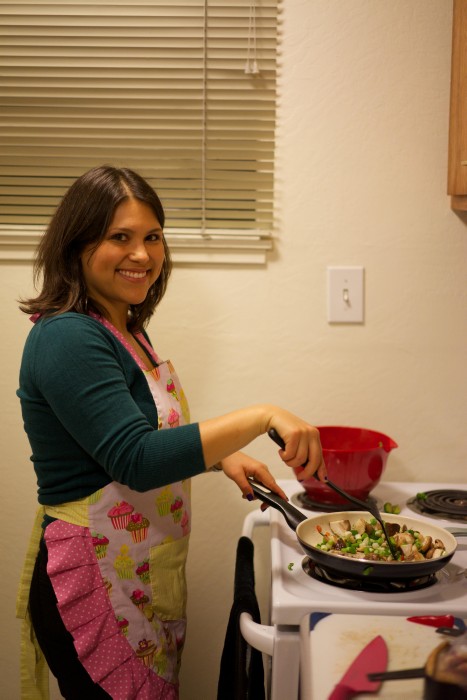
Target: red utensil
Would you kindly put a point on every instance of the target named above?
(433, 620)
(372, 659)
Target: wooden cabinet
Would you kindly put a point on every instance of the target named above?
(457, 167)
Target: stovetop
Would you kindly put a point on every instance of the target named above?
(294, 593)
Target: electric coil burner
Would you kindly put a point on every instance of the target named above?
(303, 500)
(443, 503)
(321, 573)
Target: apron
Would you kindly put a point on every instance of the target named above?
(119, 577)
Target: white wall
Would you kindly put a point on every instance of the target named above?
(362, 160)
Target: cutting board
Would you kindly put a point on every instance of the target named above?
(329, 648)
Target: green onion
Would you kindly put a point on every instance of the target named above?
(390, 508)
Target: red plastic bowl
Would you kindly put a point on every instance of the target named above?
(355, 459)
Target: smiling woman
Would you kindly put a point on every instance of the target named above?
(114, 449)
(121, 270)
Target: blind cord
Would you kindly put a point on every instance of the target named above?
(251, 65)
(204, 123)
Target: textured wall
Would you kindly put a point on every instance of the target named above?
(362, 171)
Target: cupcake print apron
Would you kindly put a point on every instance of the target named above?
(120, 581)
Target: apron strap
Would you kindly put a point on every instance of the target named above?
(34, 671)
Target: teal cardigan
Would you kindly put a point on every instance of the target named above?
(90, 417)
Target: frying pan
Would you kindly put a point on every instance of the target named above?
(308, 537)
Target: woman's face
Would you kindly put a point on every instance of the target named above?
(127, 262)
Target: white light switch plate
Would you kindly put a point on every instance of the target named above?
(345, 294)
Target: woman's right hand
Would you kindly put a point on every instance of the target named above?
(231, 432)
(302, 444)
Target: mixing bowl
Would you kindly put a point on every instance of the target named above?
(355, 459)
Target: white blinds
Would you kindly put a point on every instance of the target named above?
(167, 88)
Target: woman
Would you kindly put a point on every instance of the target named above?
(114, 450)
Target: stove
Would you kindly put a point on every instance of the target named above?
(295, 593)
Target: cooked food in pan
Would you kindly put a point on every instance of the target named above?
(365, 540)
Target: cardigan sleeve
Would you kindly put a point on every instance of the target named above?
(75, 369)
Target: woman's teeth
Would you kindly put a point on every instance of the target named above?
(133, 275)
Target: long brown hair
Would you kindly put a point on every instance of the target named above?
(82, 218)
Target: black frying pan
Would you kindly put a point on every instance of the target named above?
(308, 537)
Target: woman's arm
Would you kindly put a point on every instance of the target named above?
(75, 366)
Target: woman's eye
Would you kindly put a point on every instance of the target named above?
(118, 237)
(154, 237)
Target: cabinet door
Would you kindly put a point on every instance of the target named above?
(457, 169)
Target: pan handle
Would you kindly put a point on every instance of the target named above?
(292, 515)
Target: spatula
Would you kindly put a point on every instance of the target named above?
(370, 507)
(356, 679)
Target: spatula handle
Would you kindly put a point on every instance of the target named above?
(398, 675)
(274, 435)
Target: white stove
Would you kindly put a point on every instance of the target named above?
(294, 594)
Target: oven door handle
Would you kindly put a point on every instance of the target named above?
(259, 637)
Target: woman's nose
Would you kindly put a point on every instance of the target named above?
(139, 252)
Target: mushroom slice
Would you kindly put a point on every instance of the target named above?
(403, 538)
(359, 526)
(426, 544)
(418, 556)
(407, 550)
(340, 527)
(392, 528)
(437, 553)
(414, 555)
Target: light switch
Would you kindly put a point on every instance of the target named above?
(345, 294)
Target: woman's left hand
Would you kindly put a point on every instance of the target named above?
(238, 466)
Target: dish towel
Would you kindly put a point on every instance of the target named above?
(241, 674)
